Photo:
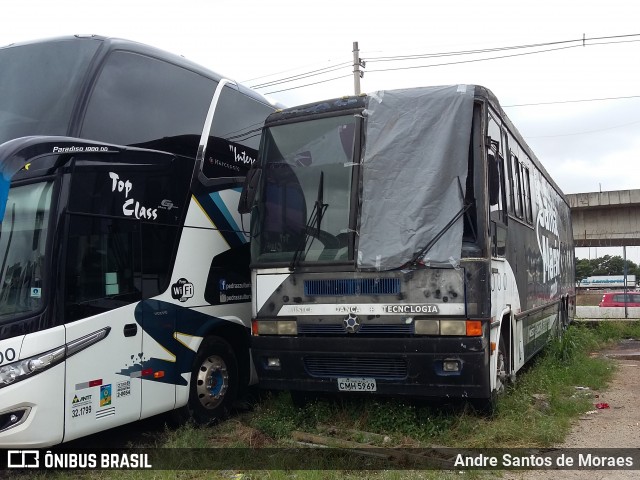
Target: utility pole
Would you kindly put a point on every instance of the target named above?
(357, 73)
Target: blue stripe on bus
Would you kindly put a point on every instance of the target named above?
(215, 208)
(222, 207)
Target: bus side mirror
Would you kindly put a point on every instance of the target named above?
(249, 189)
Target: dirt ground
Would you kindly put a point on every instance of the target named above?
(615, 427)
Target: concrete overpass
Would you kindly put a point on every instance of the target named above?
(606, 219)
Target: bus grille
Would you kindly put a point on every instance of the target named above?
(366, 329)
(352, 286)
(381, 368)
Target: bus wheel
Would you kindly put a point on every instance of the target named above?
(501, 367)
(563, 317)
(488, 406)
(214, 381)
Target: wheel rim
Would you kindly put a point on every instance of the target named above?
(213, 382)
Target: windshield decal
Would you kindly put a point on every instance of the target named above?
(131, 207)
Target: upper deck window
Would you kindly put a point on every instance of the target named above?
(39, 86)
(143, 101)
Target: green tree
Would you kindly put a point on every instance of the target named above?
(607, 265)
(583, 269)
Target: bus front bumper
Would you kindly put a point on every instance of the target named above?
(454, 367)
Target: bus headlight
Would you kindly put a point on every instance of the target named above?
(460, 328)
(453, 327)
(427, 327)
(16, 371)
(274, 327)
(21, 369)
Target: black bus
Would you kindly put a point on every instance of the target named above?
(405, 242)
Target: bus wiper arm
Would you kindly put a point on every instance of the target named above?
(424, 250)
(317, 213)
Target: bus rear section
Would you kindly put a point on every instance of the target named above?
(382, 260)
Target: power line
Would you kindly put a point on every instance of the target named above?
(301, 76)
(581, 42)
(492, 58)
(308, 84)
(471, 60)
(462, 52)
(587, 132)
(276, 73)
(570, 101)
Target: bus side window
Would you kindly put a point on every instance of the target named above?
(494, 183)
(526, 187)
(496, 201)
(233, 144)
(516, 185)
(496, 145)
(159, 246)
(103, 265)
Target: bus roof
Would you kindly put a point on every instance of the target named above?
(329, 107)
(109, 44)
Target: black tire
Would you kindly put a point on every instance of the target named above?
(502, 373)
(488, 406)
(563, 316)
(214, 381)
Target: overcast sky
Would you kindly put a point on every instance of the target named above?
(586, 145)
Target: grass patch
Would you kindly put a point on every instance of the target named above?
(612, 331)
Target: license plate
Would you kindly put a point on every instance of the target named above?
(357, 384)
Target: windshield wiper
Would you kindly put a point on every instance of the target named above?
(315, 218)
(424, 250)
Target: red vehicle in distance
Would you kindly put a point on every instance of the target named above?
(614, 299)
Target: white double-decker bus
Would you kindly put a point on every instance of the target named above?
(124, 270)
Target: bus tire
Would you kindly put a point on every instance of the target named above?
(502, 374)
(488, 406)
(214, 381)
(563, 316)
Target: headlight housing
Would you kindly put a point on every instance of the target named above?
(448, 327)
(26, 367)
(274, 327)
(16, 371)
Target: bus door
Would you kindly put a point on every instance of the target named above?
(123, 227)
(103, 287)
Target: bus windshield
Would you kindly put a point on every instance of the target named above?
(305, 207)
(39, 84)
(22, 249)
